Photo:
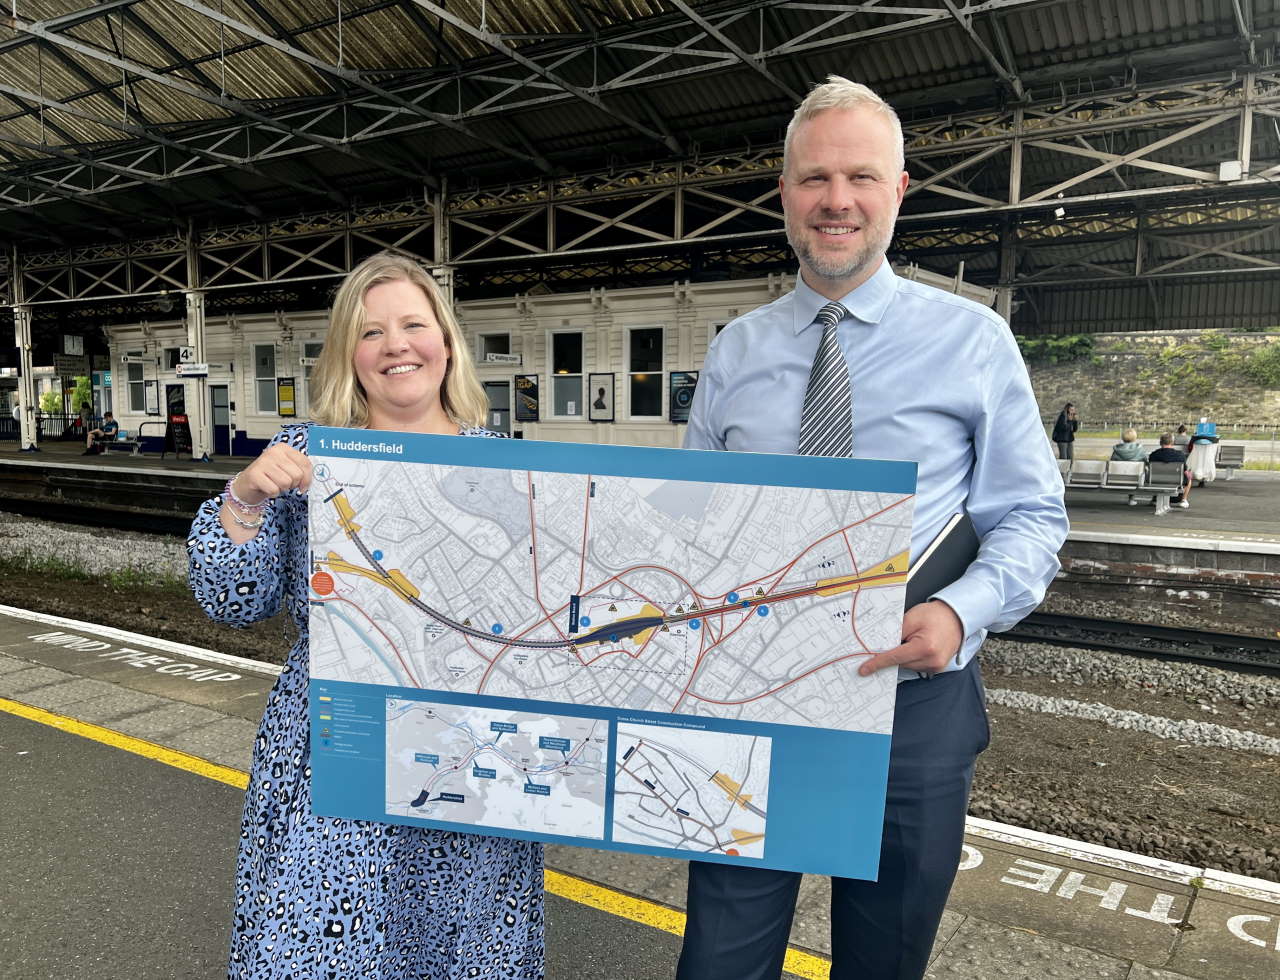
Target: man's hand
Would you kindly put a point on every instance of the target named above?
(931, 636)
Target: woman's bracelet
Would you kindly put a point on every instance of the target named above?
(251, 525)
(257, 508)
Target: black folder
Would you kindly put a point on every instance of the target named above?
(946, 558)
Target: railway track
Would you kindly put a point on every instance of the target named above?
(1258, 655)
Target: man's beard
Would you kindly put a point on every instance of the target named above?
(836, 268)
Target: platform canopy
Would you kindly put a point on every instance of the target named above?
(1110, 164)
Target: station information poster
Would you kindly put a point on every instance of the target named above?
(644, 650)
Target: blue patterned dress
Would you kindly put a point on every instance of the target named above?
(319, 897)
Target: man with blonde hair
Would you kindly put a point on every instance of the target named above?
(856, 361)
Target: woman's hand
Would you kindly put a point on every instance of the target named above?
(278, 470)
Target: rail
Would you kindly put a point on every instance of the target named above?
(1230, 651)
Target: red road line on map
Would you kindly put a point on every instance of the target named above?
(797, 678)
(390, 643)
(853, 606)
(586, 523)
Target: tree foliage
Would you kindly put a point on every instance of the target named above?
(1055, 350)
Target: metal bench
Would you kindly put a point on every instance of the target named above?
(1086, 473)
(1161, 481)
(1230, 458)
(121, 441)
(1166, 480)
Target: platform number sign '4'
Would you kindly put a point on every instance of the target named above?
(186, 355)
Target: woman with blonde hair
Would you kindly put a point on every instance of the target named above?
(322, 896)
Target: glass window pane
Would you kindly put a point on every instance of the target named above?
(566, 353)
(264, 361)
(646, 394)
(566, 395)
(495, 343)
(137, 398)
(267, 395)
(135, 372)
(646, 349)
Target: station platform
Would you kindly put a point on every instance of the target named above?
(125, 763)
(1238, 510)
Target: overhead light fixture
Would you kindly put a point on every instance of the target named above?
(1059, 212)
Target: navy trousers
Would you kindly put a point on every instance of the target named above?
(740, 917)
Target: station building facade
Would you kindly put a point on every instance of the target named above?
(613, 366)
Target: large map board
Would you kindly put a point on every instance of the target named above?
(648, 650)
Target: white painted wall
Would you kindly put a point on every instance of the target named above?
(687, 313)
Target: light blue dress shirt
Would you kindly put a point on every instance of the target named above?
(937, 380)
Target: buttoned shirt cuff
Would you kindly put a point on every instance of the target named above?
(975, 602)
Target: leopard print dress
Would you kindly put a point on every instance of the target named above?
(320, 897)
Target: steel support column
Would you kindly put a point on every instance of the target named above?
(26, 382)
(198, 406)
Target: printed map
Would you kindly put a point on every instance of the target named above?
(496, 768)
(658, 654)
(691, 790)
(726, 600)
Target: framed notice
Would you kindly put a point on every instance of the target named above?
(285, 397)
(600, 397)
(151, 390)
(683, 384)
(526, 398)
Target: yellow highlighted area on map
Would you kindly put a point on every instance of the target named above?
(401, 584)
(346, 514)
(648, 610)
(891, 571)
(732, 789)
(394, 579)
(746, 836)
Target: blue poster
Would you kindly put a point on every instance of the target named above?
(635, 649)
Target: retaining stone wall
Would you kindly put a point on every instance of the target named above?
(1126, 379)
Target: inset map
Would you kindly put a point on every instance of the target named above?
(691, 790)
(495, 768)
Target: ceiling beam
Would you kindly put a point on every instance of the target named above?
(756, 64)
(1008, 77)
(234, 106)
(221, 159)
(495, 42)
(354, 78)
(1243, 9)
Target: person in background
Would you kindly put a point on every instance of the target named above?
(1064, 431)
(1182, 439)
(321, 896)
(107, 433)
(1129, 448)
(1203, 457)
(1169, 453)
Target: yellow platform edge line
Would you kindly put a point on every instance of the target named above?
(129, 743)
(647, 913)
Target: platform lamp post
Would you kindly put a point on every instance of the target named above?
(27, 436)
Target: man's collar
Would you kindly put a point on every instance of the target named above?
(865, 303)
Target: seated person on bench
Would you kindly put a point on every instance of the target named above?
(106, 434)
(1168, 453)
(1130, 450)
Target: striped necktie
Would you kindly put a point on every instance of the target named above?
(826, 421)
